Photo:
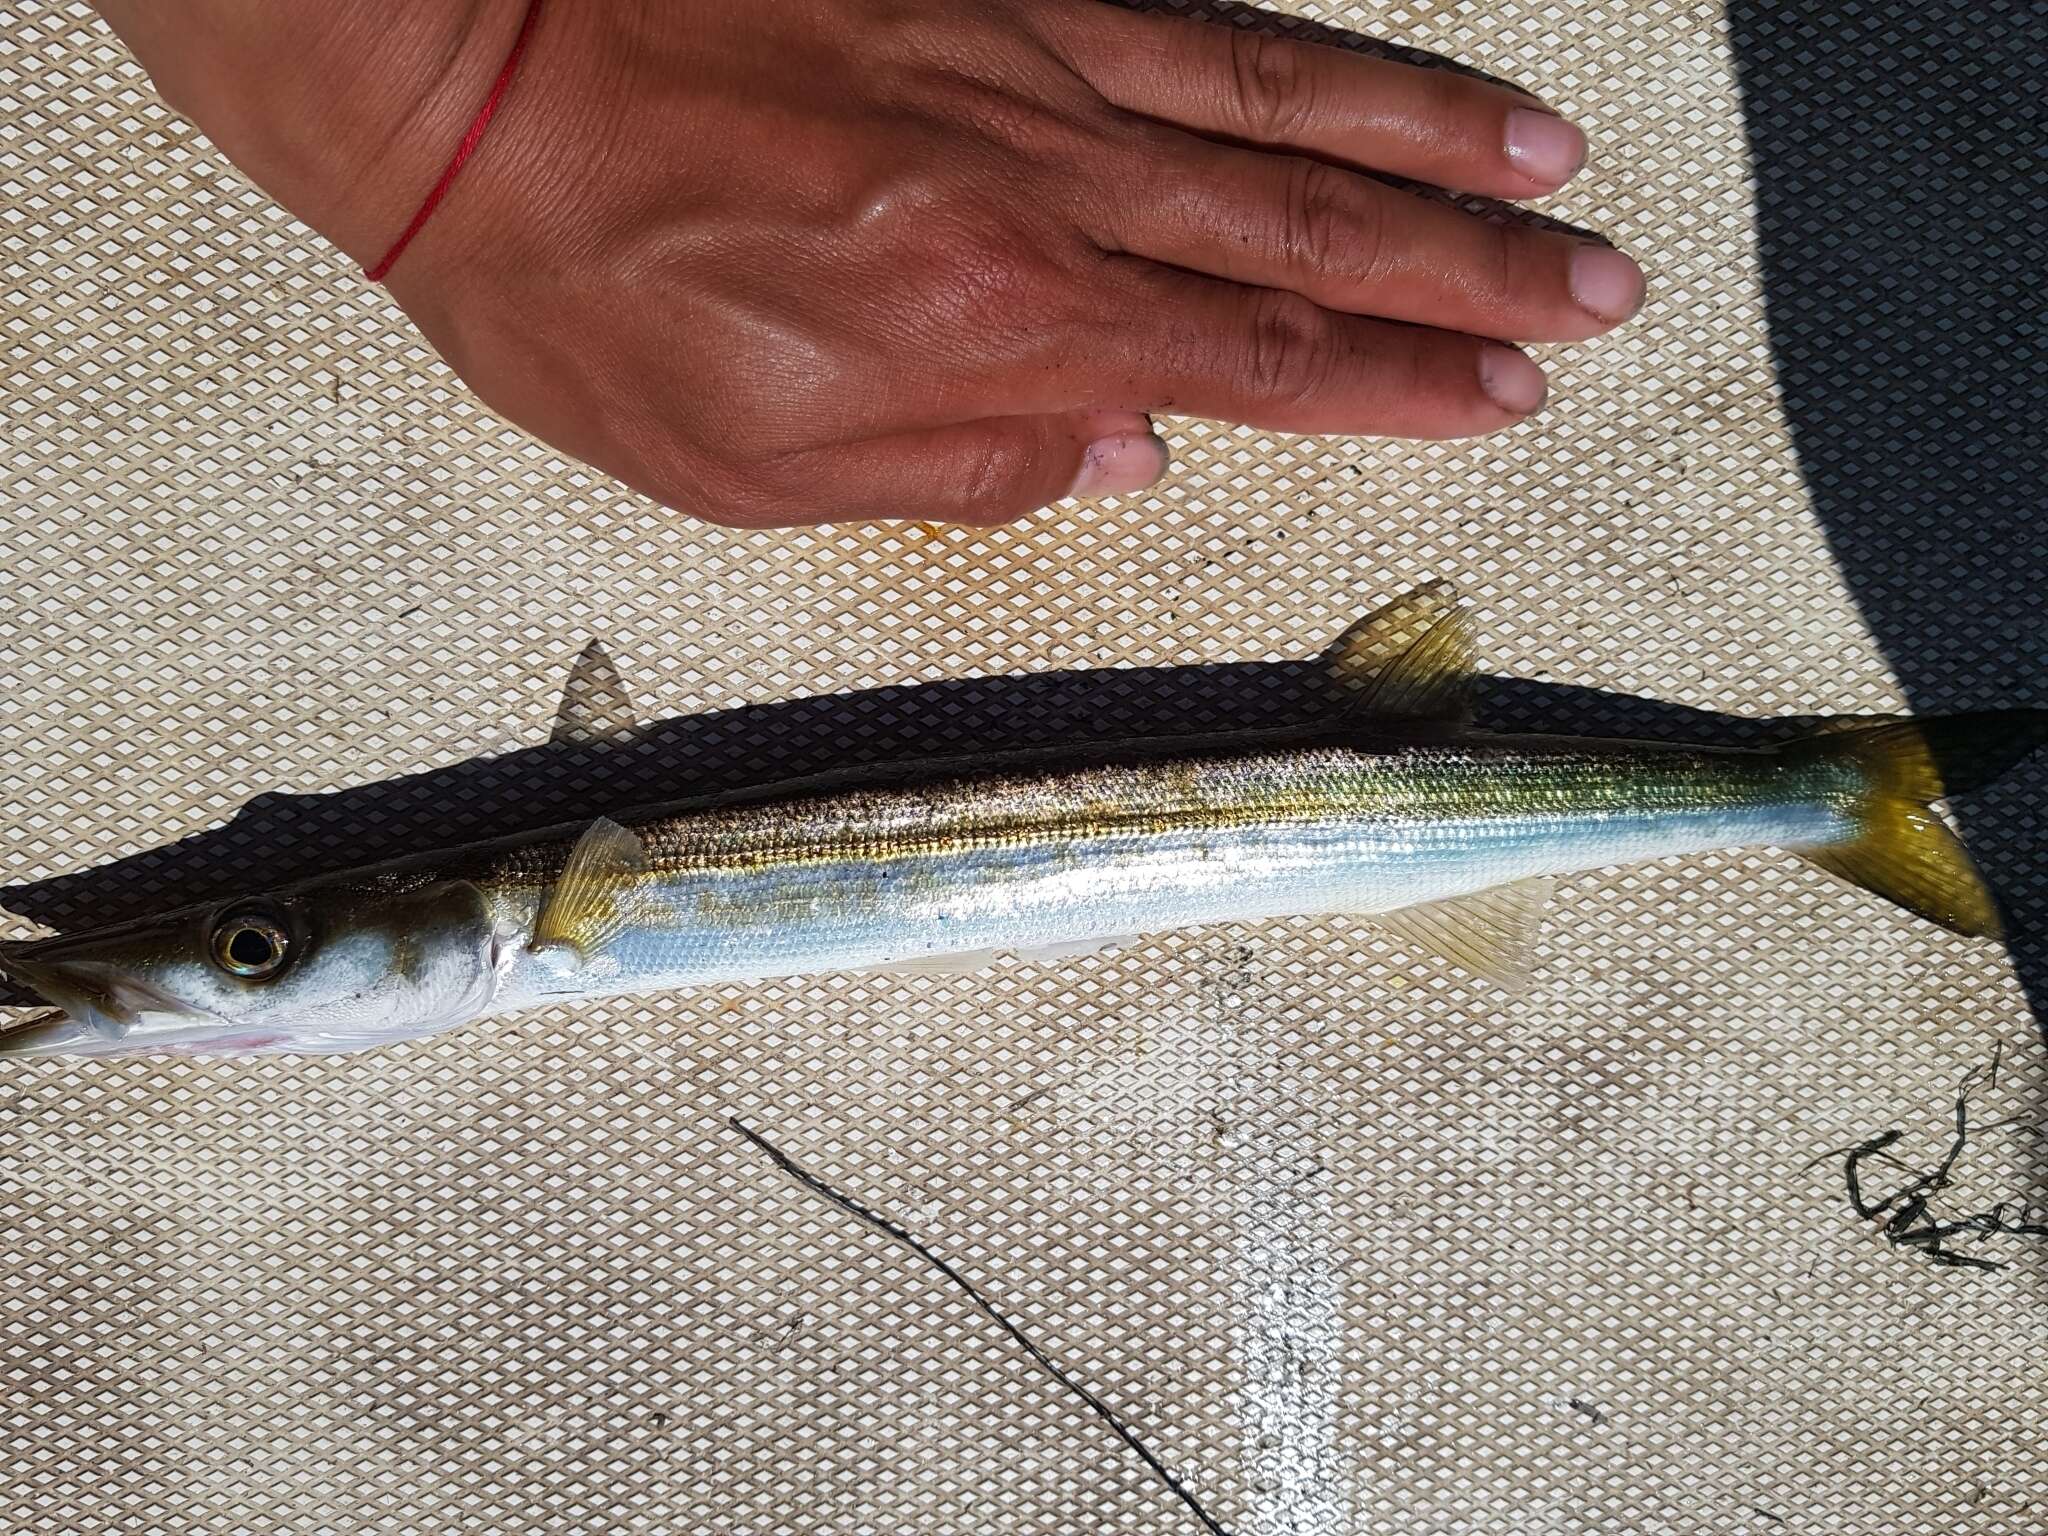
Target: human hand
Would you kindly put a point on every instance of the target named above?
(819, 260)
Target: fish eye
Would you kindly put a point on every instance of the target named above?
(250, 943)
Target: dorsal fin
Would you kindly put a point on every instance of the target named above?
(1357, 657)
(595, 893)
(1411, 658)
(595, 706)
(1431, 680)
(1490, 933)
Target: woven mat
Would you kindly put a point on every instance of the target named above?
(1355, 1245)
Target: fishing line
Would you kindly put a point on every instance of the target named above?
(1046, 1363)
(1909, 1218)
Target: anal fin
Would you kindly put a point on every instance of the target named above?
(971, 962)
(1490, 933)
(957, 962)
(1042, 954)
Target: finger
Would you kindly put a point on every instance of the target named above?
(1272, 359)
(1358, 245)
(1427, 124)
(990, 471)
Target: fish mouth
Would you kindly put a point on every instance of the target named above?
(55, 1033)
(95, 1004)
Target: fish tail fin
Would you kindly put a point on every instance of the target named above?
(1905, 852)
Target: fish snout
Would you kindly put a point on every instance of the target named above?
(49, 1034)
(41, 1034)
(106, 1004)
(88, 994)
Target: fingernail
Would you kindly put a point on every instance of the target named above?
(1510, 380)
(1544, 147)
(1606, 283)
(1120, 464)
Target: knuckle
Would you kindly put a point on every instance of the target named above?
(1324, 227)
(993, 474)
(1001, 114)
(1407, 374)
(1287, 352)
(902, 195)
(1452, 110)
(973, 111)
(1506, 263)
(1370, 253)
(1272, 89)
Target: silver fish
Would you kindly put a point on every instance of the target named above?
(1444, 835)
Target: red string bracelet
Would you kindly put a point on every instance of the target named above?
(464, 150)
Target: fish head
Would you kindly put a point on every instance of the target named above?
(321, 967)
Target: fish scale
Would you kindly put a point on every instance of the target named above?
(1502, 776)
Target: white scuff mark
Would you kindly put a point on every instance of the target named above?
(1290, 1343)
(1289, 1302)
(1194, 1105)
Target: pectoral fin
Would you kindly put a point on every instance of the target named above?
(1490, 933)
(594, 896)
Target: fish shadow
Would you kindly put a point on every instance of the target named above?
(280, 838)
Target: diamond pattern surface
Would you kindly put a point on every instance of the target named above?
(1355, 1245)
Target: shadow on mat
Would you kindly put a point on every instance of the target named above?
(1901, 216)
(1901, 222)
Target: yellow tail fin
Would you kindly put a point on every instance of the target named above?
(1906, 853)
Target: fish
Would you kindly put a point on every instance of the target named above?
(1396, 809)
